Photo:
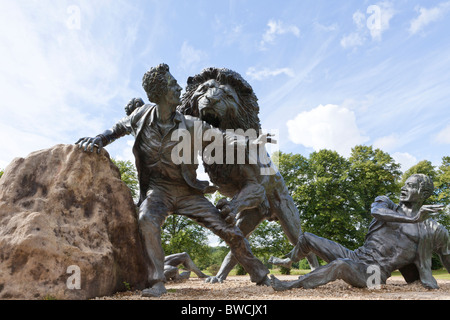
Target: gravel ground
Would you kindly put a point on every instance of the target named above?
(240, 288)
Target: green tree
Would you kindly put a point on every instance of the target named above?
(293, 168)
(269, 240)
(1, 173)
(334, 194)
(442, 191)
(442, 182)
(424, 166)
(372, 173)
(218, 254)
(322, 197)
(181, 234)
(128, 174)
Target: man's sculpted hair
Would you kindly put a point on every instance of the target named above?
(154, 82)
(425, 182)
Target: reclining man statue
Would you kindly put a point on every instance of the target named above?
(171, 263)
(168, 185)
(400, 237)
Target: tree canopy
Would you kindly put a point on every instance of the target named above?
(334, 194)
(128, 174)
(181, 234)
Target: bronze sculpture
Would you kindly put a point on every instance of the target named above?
(400, 237)
(167, 186)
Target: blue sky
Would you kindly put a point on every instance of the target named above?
(328, 74)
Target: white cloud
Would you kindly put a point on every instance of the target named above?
(387, 143)
(354, 39)
(444, 136)
(427, 16)
(359, 19)
(191, 57)
(326, 127)
(326, 28)
(56, 81)
(405, 160)
(276, 28)
(265, 73)
(363, 104)
(124, 150)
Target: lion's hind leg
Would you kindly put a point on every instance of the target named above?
(247, 221)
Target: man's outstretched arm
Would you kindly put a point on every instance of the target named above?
(383, 209)
(120, 129)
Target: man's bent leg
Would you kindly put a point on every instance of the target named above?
(203, 211)
(352, 272)
(152, 214)
(310, 243)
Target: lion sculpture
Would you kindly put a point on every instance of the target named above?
(225, 100)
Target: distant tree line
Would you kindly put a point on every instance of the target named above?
(332, 193)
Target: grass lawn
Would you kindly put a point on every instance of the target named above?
(438, 274)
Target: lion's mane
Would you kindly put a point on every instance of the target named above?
(248, 108)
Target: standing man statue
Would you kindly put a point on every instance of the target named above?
(399, 237)
(168, 186)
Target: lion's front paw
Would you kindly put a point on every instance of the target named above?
(213, 279)
(226, 211)
(222, 202)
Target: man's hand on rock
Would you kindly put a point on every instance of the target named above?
(88, 142)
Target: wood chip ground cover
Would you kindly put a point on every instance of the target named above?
(240, 288)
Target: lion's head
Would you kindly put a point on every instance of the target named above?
(222, 98)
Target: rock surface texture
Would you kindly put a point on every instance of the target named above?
(65, 216)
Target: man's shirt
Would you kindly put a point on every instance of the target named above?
(157, 148)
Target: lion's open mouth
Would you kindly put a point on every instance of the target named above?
(210, 116)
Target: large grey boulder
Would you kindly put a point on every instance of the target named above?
(67, 221)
